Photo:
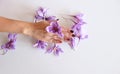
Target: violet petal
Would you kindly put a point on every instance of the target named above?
(40, 44)
(72, 43)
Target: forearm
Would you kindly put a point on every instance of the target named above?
(13, 26)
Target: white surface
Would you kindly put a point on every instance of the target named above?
(99, 54)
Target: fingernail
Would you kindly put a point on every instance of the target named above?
(73, 35)
(68, 39)
(71, 31)
(57, 19)
(58, 41)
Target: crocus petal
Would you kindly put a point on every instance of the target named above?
(57, 51)
(49, 50)
(39, 17)
(72, 43)
(3, 47)
(49, 29)
(41, 11)
(78, 19)
(83, 37)
(54, 24)
(78, 16)
(40, 44)
(76, 28)
(12, 36)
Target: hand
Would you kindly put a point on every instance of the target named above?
(37, 30)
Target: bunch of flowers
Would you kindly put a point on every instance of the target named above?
(54, 27)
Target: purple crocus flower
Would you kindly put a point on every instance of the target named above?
(11, 42)
(40, 44)
(78, 22)
(55, 49)
(55, 28)
(41, 14)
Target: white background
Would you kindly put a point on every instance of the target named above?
(99, 54)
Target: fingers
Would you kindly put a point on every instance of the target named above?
(55, 41)
(54, 38)
(68, 34)
(50, 38)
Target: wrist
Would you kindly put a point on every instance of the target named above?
(28, 29)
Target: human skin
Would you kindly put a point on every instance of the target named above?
(36, 30)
